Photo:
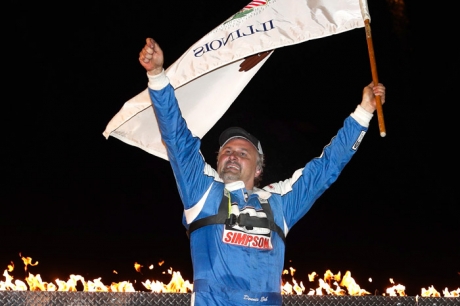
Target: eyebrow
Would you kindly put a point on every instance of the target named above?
(234, 148)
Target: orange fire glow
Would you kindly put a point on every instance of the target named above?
(137, 267)
(28, 261)
(330, 284)
(396, 290)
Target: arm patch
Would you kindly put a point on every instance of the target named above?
(358, 141)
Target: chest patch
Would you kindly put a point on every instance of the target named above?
(247, 227)
(235, 237)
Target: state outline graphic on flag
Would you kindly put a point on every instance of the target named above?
(249, 8)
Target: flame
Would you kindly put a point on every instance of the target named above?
(11, 267)
(138, 267)
(122, 287)
(331, 284)
(177, 284)
(28, 261)
(35, 282)
(325, 285)
(430, 292)
(295, 288)
(8, 284)
(329, 276)
(396, 290)
(455, 293)
(352, 287)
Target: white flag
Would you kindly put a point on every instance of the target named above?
(207, 77)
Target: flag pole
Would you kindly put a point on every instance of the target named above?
(375, 77)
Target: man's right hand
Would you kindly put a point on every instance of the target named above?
(151, 57)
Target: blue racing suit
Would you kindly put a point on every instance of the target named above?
(235, 265)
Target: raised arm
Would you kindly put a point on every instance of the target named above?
(151, 57)
(307, 184)
(369, 92)
(190, 170)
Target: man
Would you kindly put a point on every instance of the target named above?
(237, 230)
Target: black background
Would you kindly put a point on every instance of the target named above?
(80, 204)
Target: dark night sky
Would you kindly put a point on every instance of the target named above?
(81, 204)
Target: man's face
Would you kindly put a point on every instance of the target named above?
(237, 161)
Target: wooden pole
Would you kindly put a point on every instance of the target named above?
(375, 77)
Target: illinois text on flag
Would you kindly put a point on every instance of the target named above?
(207, 77)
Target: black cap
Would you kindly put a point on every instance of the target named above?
(237, 132)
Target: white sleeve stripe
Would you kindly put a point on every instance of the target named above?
(286, 228)
(285, 186)
(192, 213)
